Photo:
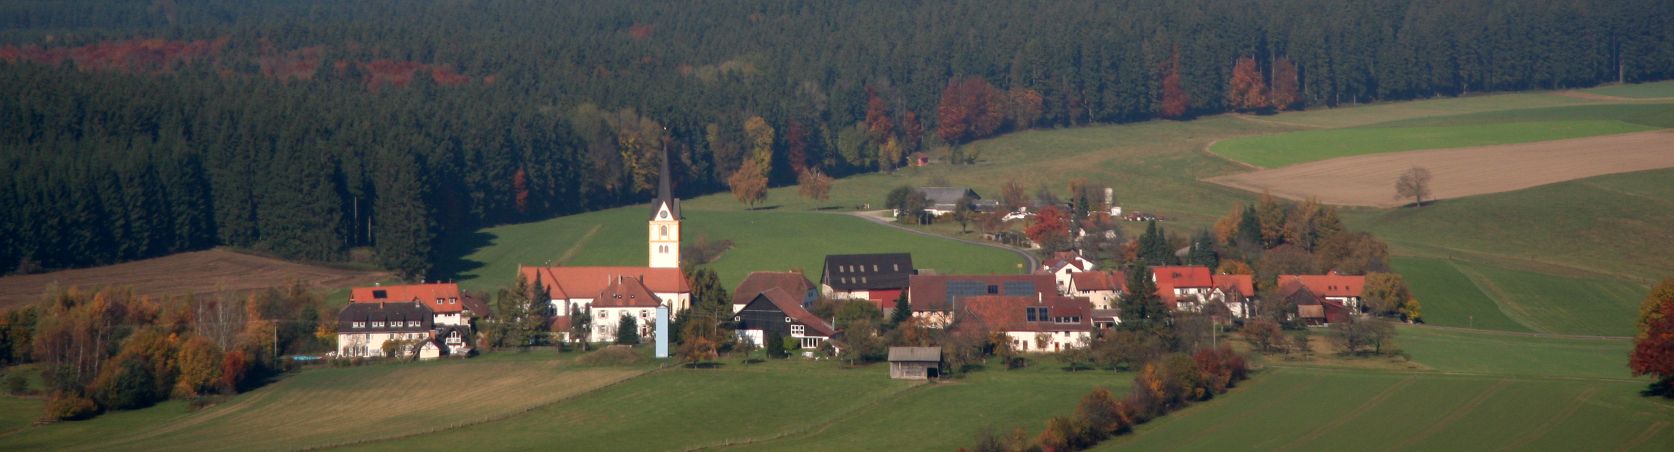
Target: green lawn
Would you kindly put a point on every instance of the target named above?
(762, 240)
(1565, 305)
(1637, 91)
(784, 405)
(1483, 390)
(1273, 151)
(1450, 298)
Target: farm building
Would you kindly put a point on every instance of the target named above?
(1034, 324)
(364, 328)
(793, 283)
(936, 298)
(1100, 287)
(1333, 286)
(775, 311)
(450, 305)
(944, 200)
(877, 277)
(915, 363)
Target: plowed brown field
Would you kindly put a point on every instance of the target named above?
(1369, 180)
(198, 272)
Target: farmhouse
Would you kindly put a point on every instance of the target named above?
(877, 277)
(1188, 284)
(1333, 286)
(915, 363)
(792, 283)
(936, 298)
(1312, 308)
(1237, 292)
(774, 311)
(1062, 265)
(945, 200)
(1034, 324)
(364, 328)
(623, 297)
(1102, 288)
(450, 306)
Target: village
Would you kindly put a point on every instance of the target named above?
(1066, 303)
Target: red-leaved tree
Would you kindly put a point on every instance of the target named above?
(1653, 347)
(879, 125)
(1050, 228)
(970, 108)
(1245, 90)
(1175, 101)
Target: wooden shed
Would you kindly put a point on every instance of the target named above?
(915, 363)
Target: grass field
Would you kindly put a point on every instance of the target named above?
(1637, 91)
(1273, 151)
(761, 241)
(1450, 298)
(1483, 391)
(787, 405)
(192, 273)
(323, 407)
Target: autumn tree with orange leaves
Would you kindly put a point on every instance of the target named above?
(1050, 229)
(970, 108)
(1175, 101)
(1653, 347)
(1246, 91)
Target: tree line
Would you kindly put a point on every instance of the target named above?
(280, 132)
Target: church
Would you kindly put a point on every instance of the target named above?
(607, 293)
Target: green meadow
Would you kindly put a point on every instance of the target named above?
(1273, 151)
(1479, 390)
(1653, 90)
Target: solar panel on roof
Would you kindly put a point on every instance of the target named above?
(1020, 288)
(961, 289)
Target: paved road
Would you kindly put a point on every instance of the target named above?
(881, 217)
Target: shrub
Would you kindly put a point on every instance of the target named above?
(128, 384)
(1098, 415)
(611, 356)
(70, 407)
(1060, 435)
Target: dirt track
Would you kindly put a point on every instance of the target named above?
(1369, 180)
(198, 272)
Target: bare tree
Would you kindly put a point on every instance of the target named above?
(1414, 183)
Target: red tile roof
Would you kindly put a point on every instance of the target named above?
(1009, 313)
(441, 298)
(626, 292)
(1101, 280)
(563, 283)
(1243, 284)
(1331, 285)
(1170, 278)
(930, 292)
(792, 283)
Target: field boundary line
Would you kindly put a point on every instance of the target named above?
(576, 247)
(1583, 95)
(1575, 404)
(814, 428)
(1364, 407)
(485, 420)
(1501, 299)
(1522, 333)
(1298, 387)
(1453, 415)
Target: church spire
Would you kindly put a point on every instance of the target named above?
(665, 192)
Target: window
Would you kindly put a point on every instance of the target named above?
(874, 268)
(796, 330)
(360, 324)
(664, 231)
(380, 294)
(601, 314)
(644, 313)
(377, 324)
(453, 301)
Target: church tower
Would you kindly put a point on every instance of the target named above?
(665, 223)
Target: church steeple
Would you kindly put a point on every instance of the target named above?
(665, 223)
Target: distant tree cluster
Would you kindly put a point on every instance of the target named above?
(135, 131)
(113, 350)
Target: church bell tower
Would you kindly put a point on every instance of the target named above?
(665, 223)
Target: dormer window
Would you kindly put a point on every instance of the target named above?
(377, 324)
(358, 325)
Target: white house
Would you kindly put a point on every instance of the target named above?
(1034, 324)
(445, 300)
(1102, 288)
(363, 328)
(624, 297)
(1062, 265)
